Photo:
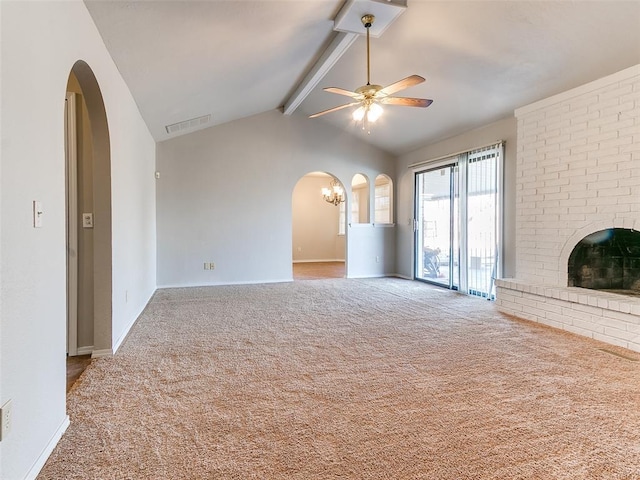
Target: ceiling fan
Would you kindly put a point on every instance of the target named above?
(369, 97)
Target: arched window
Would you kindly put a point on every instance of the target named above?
(383, 199)
(359, 199)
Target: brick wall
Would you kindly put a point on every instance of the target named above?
(578, 171)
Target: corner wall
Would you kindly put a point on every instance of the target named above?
(40, 42)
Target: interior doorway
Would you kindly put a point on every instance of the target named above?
(88, 218)
(318, 229)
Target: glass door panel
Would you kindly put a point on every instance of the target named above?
(434, 207)
(482, 231)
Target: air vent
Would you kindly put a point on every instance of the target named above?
(188, 124)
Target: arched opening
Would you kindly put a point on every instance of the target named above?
(318, 228)
(88, 185)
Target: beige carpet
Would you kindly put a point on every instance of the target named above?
(349, 379)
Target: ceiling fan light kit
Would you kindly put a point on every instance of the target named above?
(370, 97)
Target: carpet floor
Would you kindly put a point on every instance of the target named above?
(349, 379)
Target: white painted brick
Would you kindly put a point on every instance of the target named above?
(615, 142)
(614, 91)
(612, 175)
(623, 317)
(617, 109)
(611, 340)
(608, 322)
(586, 324)
(556, 196)
(609, 119)
(578, 331)
(582, 309)
(614, 192)
(600, 201)
(617, 333)
(549, 307)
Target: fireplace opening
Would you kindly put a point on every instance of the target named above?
(607, 260)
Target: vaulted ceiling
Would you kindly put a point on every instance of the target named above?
(481, 59)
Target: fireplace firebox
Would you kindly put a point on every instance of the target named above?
(607, 260)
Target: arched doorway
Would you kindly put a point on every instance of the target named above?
(88, 191)
(318, 229)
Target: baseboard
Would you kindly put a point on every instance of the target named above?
(85, 350)
(397, 275)
(127, 329)
(44, 456)
(222, 284)
(376, 275)
(105, 352)
(324, 260)
(118, 343)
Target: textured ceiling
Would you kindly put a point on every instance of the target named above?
(236, 58)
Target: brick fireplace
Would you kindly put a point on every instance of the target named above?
(578, 212)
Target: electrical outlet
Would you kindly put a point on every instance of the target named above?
(5, 420)
(212, 266)
(206, 265)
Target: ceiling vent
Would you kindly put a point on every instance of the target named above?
(188, 124)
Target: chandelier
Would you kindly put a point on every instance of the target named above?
(335, 193)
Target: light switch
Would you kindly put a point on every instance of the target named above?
(37, 214)
(87, 220)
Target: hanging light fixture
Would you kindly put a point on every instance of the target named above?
(335, 193)
(369, 98)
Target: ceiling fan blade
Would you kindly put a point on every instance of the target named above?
(407, 102)
(334, 109)
(402, 84)
(342, 91)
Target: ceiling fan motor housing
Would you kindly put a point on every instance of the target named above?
(367, 20)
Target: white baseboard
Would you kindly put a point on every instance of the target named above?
(85, 350)
(222, 284)
(397, 275)
(105, 352)
(321, 260)
(118, 343)
(42, 459)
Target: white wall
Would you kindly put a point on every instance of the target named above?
(501, 130)
(41, 41)
(315, 223)
(225, 196)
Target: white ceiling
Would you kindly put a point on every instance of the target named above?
(482, 59)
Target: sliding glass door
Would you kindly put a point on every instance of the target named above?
(457, 222)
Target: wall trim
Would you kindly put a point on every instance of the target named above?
(341, 260)
(399, 275)
(581, 90)
(118, 343)
(105, 352)
(222, 284)
(44, 456)
(84, 350)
